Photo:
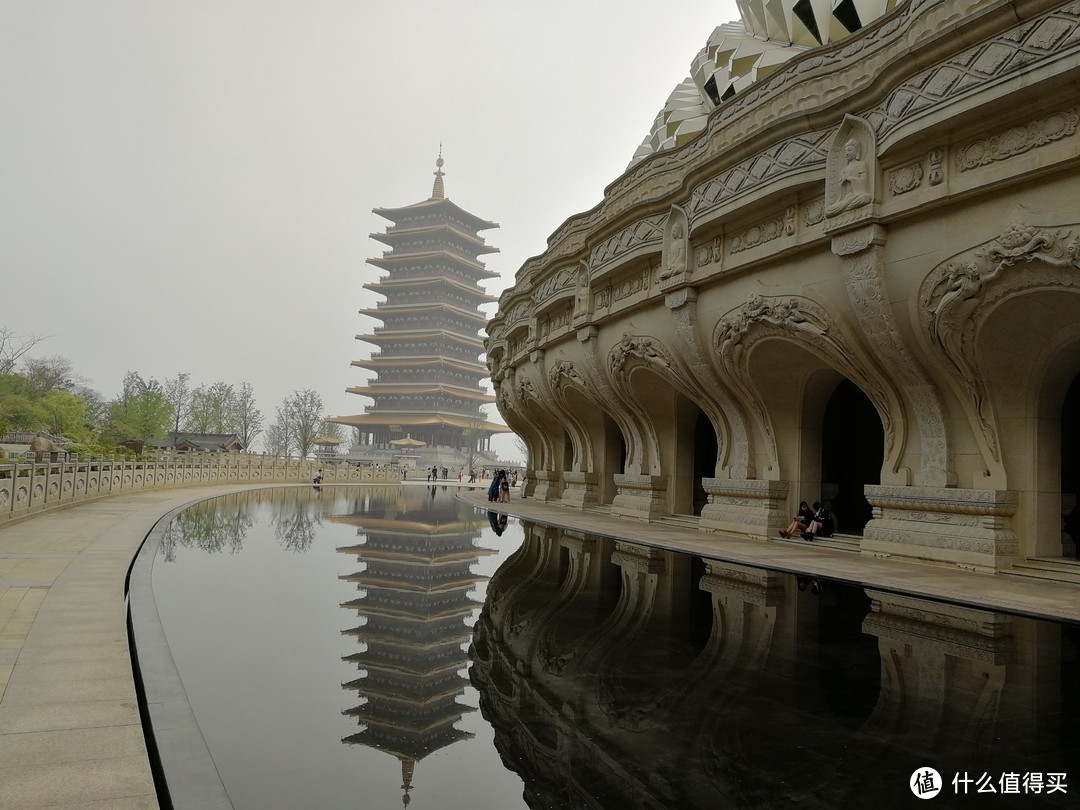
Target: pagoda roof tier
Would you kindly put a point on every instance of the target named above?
(388, 285)
(396, 236)
(432, 209)
(369, 580)
(413, 419)
(418, 557)
(447, 690)
(414, 557)
(389, 639)
(429, 361)
(381, 338)
(380, 389)
(385, 309)
(372, 662)
(400, 526)
(435, 716)
(391, 261)
(364, 605)
(407, 749)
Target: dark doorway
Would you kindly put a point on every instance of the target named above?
(852, 452)
(705, 449)
(1070, 466)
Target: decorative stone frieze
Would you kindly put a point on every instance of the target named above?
(763, 232)
(641, 496)
(969, 528)
(648, 232)
(906, 178)
(755, 508)
(1017, 140)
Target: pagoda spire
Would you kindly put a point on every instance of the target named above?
(407, 765)
(438, 192)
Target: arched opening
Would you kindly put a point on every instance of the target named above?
(614, 459)
(706, 448)
(852, 453)
(567, 452)
(1070, 469)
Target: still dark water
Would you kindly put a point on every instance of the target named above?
(345, 648)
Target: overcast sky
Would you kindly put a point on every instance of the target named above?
(187, 186)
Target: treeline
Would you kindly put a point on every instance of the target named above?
(45, 394)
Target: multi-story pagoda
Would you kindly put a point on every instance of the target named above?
(415, 583)
(427, 366)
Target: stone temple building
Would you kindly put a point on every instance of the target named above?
(843, 266)
(427, 367)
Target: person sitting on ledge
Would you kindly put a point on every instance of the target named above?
(822, 520)
(800, 521)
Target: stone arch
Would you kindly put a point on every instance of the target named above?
(788, 321)
(1031, 372)
(593, 424)
(672, 420)
(958, 299)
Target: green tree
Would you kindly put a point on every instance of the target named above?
(141, 412)
(64, 414)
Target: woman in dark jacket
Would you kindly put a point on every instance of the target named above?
(800, 521)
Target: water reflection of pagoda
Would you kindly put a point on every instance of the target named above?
(417, 557)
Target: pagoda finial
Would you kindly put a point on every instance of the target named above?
(437, 191)
(407, 766)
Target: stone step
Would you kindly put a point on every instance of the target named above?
(1055, 570)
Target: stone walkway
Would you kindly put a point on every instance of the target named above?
(70, 731)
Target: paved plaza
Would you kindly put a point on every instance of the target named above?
(70, 732)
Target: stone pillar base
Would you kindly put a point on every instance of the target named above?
(641, 496)
(968, 528)
(580, 489)
(752, 507)
(547, 485)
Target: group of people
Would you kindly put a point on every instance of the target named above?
(810, 523)
(499, 489)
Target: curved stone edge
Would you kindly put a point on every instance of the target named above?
(180, 760)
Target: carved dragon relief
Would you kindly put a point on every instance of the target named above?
(807, 323)
(958, 295)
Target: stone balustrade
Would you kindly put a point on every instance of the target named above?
(28, 488)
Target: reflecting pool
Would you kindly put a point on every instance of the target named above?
(345, 647)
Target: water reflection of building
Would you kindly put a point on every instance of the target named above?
(618, 675)
(415, 581)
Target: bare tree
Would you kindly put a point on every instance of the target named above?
(304, 411)
(212, 408)
(247, 419)
(178, 394)
(278, 439)
(44, 375)
(13, 346)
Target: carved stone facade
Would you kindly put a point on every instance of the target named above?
(911, 239)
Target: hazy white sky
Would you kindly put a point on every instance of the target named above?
(187, 186)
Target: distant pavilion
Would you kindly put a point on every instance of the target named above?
(427, 368)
